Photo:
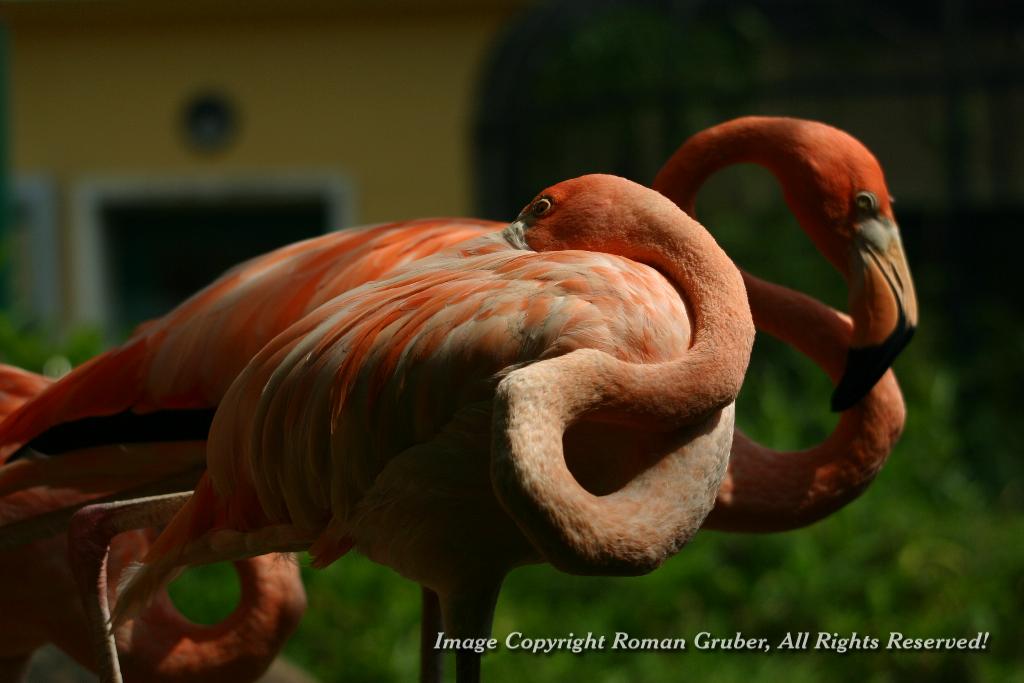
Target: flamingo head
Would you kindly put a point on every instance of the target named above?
(595, 212)
(844, 204)
(836, 190)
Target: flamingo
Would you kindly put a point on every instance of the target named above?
(751, 497)
(836, 189)
(420, 418)
(160, 645)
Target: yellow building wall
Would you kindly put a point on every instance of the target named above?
(385, 99)
(380, 93)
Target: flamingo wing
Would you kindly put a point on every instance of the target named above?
(17, 387)
(309, 424)
(187, 358)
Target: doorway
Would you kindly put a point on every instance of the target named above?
(144, 248)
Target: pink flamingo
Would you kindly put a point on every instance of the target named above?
(421, 417)
(836, 189)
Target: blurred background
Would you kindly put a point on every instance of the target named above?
(149, 146)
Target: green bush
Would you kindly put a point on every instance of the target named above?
(31, 347)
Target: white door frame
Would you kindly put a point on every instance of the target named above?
(37, 268)
(90, 294)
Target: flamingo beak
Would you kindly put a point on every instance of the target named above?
(883, 306)
(515, 234)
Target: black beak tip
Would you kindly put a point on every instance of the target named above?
(864, 367)
(846, 396)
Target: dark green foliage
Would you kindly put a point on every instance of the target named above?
(206, 594)
(30, 347)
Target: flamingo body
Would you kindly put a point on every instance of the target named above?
(372, 420)
(405, 368)
(187, 358)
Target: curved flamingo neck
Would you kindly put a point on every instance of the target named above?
(713, 368)
(769, 490)
(239, 647)
(765, 489)
(785, 147)
(704, 154)
(690, 397)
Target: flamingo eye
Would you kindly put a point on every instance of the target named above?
(541, 206)
(866, 201)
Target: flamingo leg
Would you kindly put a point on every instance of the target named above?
(89, 536)
(49, 524)
(469, 614)
(431, 659)
(467, 667)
